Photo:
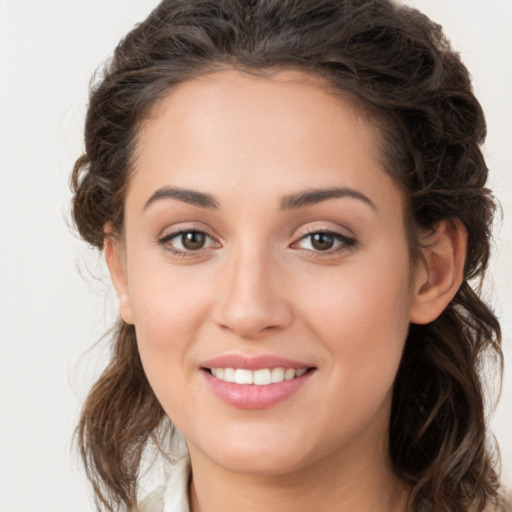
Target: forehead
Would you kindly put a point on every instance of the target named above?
(288, 97)
(271, 134)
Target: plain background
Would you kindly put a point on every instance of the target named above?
(55, 300)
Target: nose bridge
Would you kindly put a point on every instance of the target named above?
(251, 299)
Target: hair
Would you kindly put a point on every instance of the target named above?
(399, 67)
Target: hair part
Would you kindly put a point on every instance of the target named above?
(401, 71)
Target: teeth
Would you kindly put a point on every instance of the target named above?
(229, 374)
(277, 375)
(244, 376)
(289, 374)
(262, 377)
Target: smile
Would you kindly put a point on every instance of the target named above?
(261, 377)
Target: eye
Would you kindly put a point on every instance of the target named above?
(325, 241)
(187, 241)
(192, 240)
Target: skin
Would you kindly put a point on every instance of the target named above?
(259, 286)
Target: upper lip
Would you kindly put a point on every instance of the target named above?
(253, 362)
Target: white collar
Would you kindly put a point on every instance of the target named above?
(173, 496)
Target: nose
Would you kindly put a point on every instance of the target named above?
(252, 296)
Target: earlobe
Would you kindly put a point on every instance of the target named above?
(117, 271)
(437, 281)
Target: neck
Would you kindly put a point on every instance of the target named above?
(353, 482)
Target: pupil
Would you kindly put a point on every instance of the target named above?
(322, 241)
(193, 240)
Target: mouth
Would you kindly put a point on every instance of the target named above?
(260, 377)
(255, 382)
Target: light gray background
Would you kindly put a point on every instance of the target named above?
(49, 314)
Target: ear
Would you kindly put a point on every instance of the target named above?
(439, 278)
(116, 267)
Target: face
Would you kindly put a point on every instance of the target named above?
(265, 267)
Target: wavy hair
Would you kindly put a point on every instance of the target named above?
(400, 69)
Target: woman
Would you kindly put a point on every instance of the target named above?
(291, 199)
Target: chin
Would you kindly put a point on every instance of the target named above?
(261, 463)
(265, 452)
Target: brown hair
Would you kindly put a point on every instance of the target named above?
(403, 71)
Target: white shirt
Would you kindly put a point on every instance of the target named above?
(172, 496)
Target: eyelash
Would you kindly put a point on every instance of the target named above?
(346, 243)
(166, 239)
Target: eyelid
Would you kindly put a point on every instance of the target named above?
(347, 241)
(314, 227)
(174, 232)
(323, 227)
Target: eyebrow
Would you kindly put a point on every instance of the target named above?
(193, 197)
(315, 196)
(290, 202)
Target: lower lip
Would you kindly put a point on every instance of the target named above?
(250, 396)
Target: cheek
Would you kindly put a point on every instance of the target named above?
(361, 315)
(168, 312)
(166, 301)
(362, 323)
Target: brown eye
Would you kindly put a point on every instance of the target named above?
(328, 242)
(193, 240)
(188, 242)
(322, 241)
